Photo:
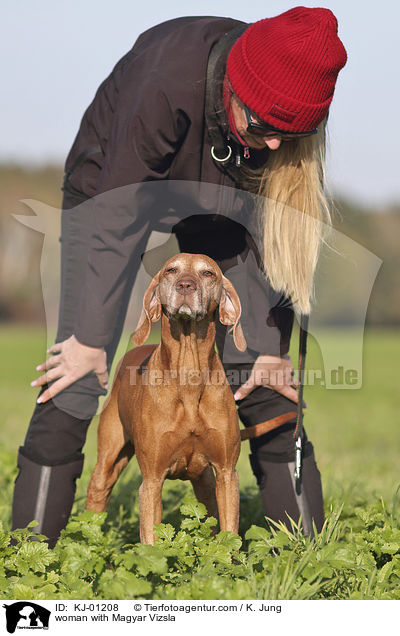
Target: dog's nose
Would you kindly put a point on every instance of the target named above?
(185, 286)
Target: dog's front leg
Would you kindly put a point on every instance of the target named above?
(150, 507)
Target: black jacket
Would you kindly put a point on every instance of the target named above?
(149, 164)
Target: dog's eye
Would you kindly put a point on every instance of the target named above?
(208, 272)
(171, 270)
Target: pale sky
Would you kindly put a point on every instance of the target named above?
(55, 54)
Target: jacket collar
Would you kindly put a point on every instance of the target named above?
(227, 151)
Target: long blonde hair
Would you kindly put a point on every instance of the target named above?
(294, 216)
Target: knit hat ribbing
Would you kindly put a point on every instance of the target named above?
(285, 68)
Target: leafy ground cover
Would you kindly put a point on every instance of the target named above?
(356, 556)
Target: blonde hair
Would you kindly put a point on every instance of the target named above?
(294, 216)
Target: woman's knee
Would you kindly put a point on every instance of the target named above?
(54, 437)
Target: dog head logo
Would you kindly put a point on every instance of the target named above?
(26, 615)
(343, 284)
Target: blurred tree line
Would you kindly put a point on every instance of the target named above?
(21, 298)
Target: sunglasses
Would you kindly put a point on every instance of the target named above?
(262, 129)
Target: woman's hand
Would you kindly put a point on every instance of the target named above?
(71, 360)
(272, 372)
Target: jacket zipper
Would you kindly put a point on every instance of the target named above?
(238, 158)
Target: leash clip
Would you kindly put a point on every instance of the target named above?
(297, 459)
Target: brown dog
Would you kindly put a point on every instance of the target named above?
(179, 415)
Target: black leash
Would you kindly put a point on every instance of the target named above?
(298, 433)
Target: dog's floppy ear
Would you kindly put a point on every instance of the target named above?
(151, 312)
(229, 312)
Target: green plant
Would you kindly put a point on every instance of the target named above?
(351, 558)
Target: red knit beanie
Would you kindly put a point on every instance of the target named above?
(285, 68)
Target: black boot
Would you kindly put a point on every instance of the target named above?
(46, 494)
(278, 491)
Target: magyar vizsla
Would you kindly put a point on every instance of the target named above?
(178, 414)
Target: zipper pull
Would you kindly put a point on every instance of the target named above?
(237, 160)
(246, 152)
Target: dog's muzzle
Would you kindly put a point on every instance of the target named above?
(186, 286)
